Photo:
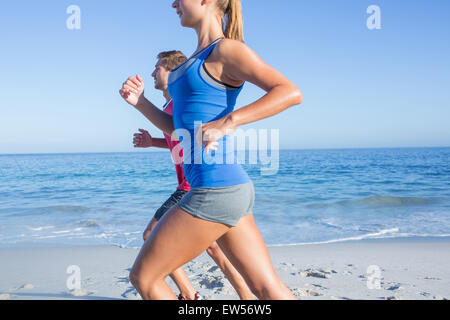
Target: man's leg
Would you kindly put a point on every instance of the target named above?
(236, 280)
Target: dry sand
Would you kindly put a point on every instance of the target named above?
(376, 269)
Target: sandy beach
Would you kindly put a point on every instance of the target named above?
(372, 269)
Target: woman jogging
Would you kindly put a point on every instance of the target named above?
(167, 61)
(219, 205)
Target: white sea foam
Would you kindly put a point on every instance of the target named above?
(61, 232)
(356, 238)
(384, 234)
(47, 237)
(40, 228)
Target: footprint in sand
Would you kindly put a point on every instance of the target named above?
(79, 293)
(393, 287)
(218, 284)
(391, 298)
(347, 273)
(431, 278)
(212, 282)
(131, 294)
(300, 292)
(425, 294)
(192, 266)
(213, 269)
(123, 280)
(88, 282)
(318, 286)
(287, 267)
(317, 273)
(339, 298)
(28, 286)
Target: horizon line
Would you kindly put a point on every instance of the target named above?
(286, 149)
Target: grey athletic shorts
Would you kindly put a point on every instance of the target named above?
(225, 205)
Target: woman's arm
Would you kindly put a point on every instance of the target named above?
(133, 93)
(242, 64)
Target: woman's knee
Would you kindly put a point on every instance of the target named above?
(135, 279)
(263, 288)
(142, 282)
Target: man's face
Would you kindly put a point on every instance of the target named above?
(161, 76)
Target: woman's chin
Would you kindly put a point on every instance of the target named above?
(185, 23)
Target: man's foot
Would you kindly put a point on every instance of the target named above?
(197, 297)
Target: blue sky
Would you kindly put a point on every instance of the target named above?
(361, 87)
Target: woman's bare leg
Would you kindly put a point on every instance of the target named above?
(245, 248)
(236, 280)
(178, 276)
(184, 285)
(170, 246)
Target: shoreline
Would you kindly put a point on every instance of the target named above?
(412, 269)
(394, 239)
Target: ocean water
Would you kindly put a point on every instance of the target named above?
(316, 196)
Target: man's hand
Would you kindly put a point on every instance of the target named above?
(133, 90)
(142, 139)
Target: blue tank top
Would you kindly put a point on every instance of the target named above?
(198, 98)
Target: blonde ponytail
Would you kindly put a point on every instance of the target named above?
(234, 25)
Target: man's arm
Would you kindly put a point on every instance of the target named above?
(160, 143)
(145, 140)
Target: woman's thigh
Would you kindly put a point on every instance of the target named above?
(176, 239)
